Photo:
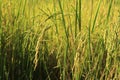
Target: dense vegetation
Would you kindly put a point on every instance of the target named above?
(60, 40)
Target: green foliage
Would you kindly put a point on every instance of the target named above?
(59, 40)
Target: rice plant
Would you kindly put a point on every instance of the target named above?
(60, 40)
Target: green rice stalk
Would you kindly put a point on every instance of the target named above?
(67, 41)
(96, 15)
(76, 17)
(79, 15)
(54, 3)
(25, 1)
(89, 34)
(109, 10)
(18, 13)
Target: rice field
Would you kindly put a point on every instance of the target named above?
(60, 40)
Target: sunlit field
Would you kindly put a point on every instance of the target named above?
(60, 40)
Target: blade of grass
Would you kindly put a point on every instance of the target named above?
(18, 13)
(96, 15)
(79, 15)
(63, 19)
(24, 6)
(76, 17)
(54, 3)
(109, 11)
